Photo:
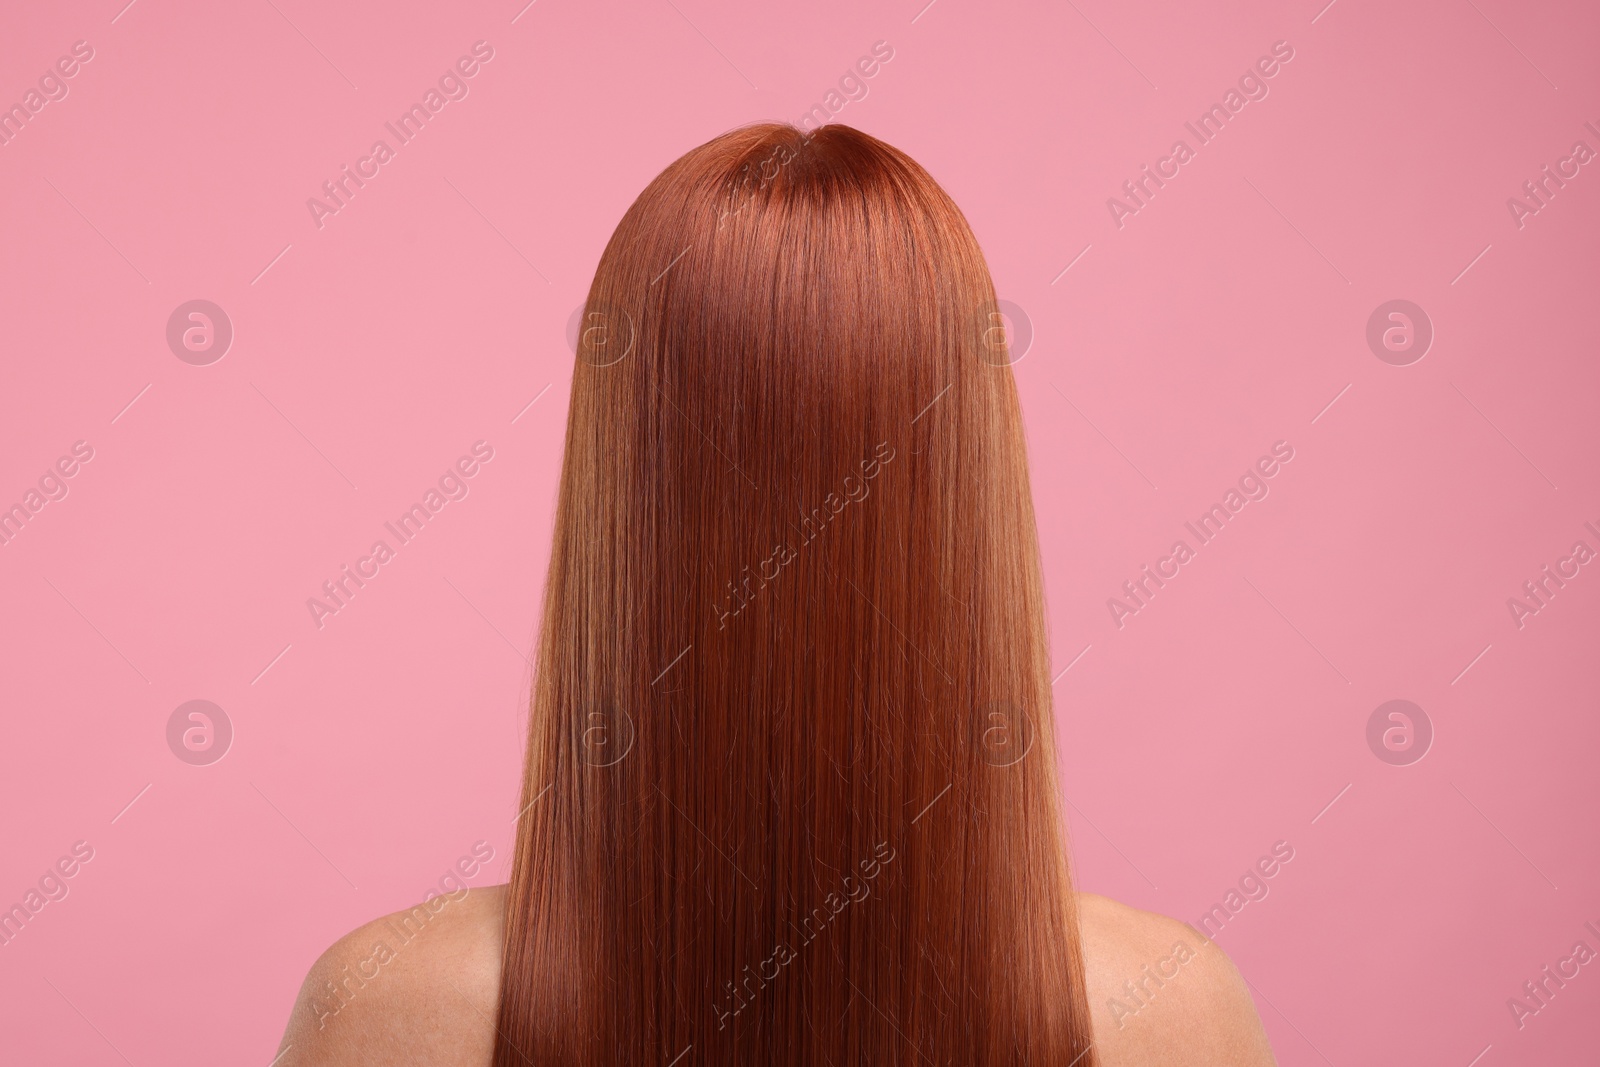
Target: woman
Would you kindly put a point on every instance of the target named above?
(790, 791)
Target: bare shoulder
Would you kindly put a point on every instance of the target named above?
(1159, 992)
(423, 985)
(420, 985)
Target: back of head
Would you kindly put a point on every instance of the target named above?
(790, 786)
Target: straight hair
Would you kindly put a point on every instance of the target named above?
(790, 790)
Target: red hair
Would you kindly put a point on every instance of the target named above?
(790, 793)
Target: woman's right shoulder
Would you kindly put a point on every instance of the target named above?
(420, 985)
(1159, 992)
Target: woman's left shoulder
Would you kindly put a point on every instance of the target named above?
(1159, 992)
(421, 984)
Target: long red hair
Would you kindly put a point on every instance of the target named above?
(790, 793)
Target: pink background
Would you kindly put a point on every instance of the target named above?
(1224, 316)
